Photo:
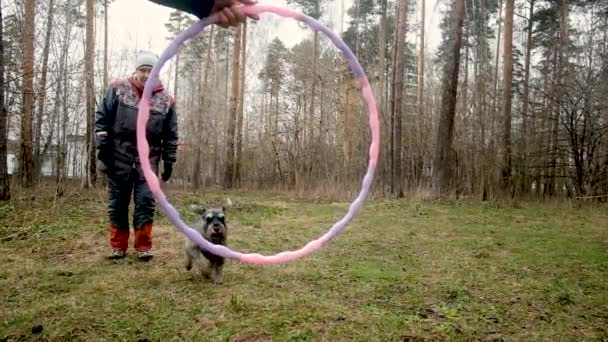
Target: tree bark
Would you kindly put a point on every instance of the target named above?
(25, 150)
(230, 138)
(507, 95)
(199, 120)
(445, 127)
(241, 106)
(396, 187)
(105, 44)
(62, 93)
(89, 70)
(42, 92)
(525, 100)
(420, 87)
(5, 190)
(498, 36)
(560, 74)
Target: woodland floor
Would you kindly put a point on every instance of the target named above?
(403, 271)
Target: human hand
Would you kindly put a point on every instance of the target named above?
(229, 12)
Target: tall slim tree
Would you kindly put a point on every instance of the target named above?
(445, 127)
(200, 122)
(311, 8)
(105, 43)
(25, 151)
(42, 89)
(230, 138)
(382, 53)
(60, 109)
(560, 75)
(89, 70)
(507, 94)
(525, 98)
(420, 86)
(397, 103)
(498, 36)
(106, 3)
(5, 190)
(241, 109)
(175, 26)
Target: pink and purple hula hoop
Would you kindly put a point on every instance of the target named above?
(153, 182)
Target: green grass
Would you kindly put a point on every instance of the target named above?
(403, 271)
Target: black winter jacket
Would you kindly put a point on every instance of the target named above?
(117, 116)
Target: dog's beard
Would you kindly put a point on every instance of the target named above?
(216, 237)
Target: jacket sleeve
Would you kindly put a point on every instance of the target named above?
(200, 8)
(170, 137)
(106, 111)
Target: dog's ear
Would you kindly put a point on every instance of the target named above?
(197, 209)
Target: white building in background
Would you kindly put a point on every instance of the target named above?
(75, 159)
(12, 149)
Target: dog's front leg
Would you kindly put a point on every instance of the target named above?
(188, 261)
(216, 274)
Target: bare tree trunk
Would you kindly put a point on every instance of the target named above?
(89, 70)
(548, 124)
(311, 112)
(241, 106)
(42, 93)
(420, 87)
(525, 101)
(102, 177)
(391, 127)
(507, 95)
(48, 141)
(481, 159)
(445, 127)
(61, 146)
(465, 83)
(105, 44)
(176, 76)
(552, 128)
(61, 80)
(463, 180)
(204, 94)
(498, 36)
(196, 168)
(25, 150)
(559, 79)
(382, 52)
(396, 187)
(490, 182)
(230, 138)
(5, 190)
(382, 172)
(563, 40)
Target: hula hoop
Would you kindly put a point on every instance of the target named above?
(153, 182)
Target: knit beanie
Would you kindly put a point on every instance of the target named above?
(145, 58)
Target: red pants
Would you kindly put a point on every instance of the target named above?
(119, 238)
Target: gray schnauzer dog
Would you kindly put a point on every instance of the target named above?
(212, 226)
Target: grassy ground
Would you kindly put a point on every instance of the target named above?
(404, 271)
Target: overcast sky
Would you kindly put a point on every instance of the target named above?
(147, 31)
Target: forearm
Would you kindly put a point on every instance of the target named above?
(200, 8)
